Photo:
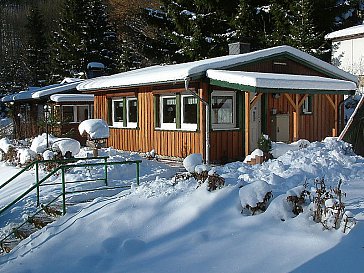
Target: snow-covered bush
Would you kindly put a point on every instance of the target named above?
(255, 197)
(191, 161)
(298, 197)
(202, 173)
(67, 145)
(39, 143)
(265, 145)
(26, 156)
(95, 128)
(326, 205)
(5, 145)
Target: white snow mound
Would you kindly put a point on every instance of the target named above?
(5, 144)
(253, 193)
(95, 128)
(67, 145)
(191, 161)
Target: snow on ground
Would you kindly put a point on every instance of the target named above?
(163, 226)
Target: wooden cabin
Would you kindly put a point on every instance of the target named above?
(31, 110)
(220, 106)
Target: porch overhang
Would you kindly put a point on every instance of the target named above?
(295, 88)
(279, 83)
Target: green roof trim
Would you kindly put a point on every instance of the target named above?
(254, 89)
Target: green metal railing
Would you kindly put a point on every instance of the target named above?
(65, 165)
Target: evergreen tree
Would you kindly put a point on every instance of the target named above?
(280, 22)
(38, 49)
(302, 33)
(200, 28)
(85, 35)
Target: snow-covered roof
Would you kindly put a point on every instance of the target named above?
(54, 89)
(40, 92)
(69, 80)
(351, 31)
(179, 72)
(280, 81)
(22, 95)
(72, 97)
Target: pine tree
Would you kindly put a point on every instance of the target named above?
(85, 35)
(303, 34)
(280, 22)
(200, 28)
(250, 23)
(38, 49)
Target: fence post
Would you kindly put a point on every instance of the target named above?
(37, 182)
(137, 172)
(105, 159)
(63, 191)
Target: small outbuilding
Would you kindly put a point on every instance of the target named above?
(34, 112)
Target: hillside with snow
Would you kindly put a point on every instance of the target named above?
(169, 225)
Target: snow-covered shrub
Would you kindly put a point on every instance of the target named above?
(95, 128)
(26, 156)
(347, 222)
(48, 155)
(39, 143)
(297, 197)
(67, 145)
(328, 207)
(191, 161)
(11, 155)
(255, 197)
(5, 145)
(201, 172)
(151, 155)
(265, 145)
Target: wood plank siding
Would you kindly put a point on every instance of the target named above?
(176, 143)
(315, 126)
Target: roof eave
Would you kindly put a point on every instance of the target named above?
(270, 90)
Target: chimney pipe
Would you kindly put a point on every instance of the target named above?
(239, 48)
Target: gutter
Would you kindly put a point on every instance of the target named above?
(207, 123)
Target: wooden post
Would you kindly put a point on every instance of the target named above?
(335, 104)
(247, 123)
(296, 119)
(336, 116)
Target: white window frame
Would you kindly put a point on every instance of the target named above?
(75, 112)
(188, 126)
(128, 123)
(118, 124)
(306, 105)
(216, 126)
(166, 125)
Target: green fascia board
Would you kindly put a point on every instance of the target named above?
(254, 89)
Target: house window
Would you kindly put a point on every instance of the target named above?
(307, 105)
(178, 112)
(82, 113)
(132, 112)
(75, 113)
(118, 113)
(125, 112)
(189, 112)
(168, 112)
(223, 113)
(68, 114)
